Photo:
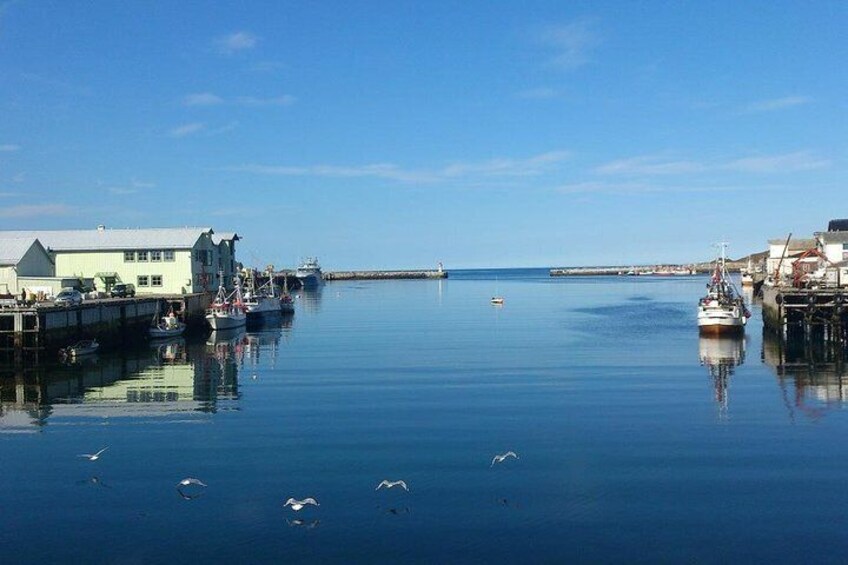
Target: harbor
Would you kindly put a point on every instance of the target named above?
(384, 275)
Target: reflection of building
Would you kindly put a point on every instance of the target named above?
(165, 380)
(815, 370)
(721, 355)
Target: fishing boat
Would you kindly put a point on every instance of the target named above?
(166, 326)
(309, 273)
(497, 300)
(748, 275)
(722, 310)
(80, 349)
(227, 310)
(262, 301)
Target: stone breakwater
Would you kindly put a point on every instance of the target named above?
(383, 275)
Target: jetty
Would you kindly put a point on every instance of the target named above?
(384, 275)
(112, 321)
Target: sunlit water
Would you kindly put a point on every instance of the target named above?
(638, 441)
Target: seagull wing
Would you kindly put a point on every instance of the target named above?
(101, 451)
(382, 484)
(86, 455)
(508, 453)
(310, 501)
(403, 484)
(289, 502)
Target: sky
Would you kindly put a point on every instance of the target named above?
(381, 135)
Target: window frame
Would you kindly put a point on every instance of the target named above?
(153, 280)
(144, 253)
(129, 256)
(142, 281)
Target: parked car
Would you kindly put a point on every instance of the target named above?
(68, 297)
(122, 290)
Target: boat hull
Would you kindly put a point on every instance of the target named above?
(310, 280)
(162, 333)
(721, 322)
(226, 321)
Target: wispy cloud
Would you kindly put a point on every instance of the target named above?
(649, 165)
(9, 147)
(202, 99)
(785, 163)
(284, 100)
(35, 210)
(18, 178)
(224, 128)
(9, 194)
(211, 99)
(234, 42)
(658, 165)
(121, 190)
(187, 129)
(777, 104)
(266, 66)
(572, 43)
(543, 93)
(142, 184)
(493, 168)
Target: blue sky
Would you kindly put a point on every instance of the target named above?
(398, 134)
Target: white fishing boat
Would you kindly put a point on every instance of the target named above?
(261, 301)
(227, 311)
(722, 310)
(309, 273)
(166, 326)
(497, 300)
(748, 275)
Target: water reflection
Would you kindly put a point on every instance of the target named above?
(176, 377)
(813, 369)
(721, 355)
(310, 298)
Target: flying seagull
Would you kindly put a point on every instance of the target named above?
(93, 457)
(391, 484)
(190, 481)
(297, 505)
(500, 458)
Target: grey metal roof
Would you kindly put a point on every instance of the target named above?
(113, 239)
(13, 249)
(218, 237)
(795, 243)
(833, 236)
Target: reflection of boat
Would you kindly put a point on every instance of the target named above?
(227, 311)
(168, 326)
(722, 310)
(81, 348)
(721, 355)
(309, 273)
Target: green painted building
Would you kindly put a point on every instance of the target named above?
(155, 260)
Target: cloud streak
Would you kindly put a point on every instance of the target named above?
(658, 165)
(35, 210)
(777, 104)
(9, 147)
(187, 129)
(571, 43)
(490, 169)
(202, 99)
(235, 42)
(206, 99)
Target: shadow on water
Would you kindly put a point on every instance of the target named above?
(637, 316)
(179, 378)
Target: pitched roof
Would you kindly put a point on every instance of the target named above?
(113, 239)
(218, 237)
(13, 249)
(833, 236)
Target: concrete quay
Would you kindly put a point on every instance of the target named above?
(383, 275)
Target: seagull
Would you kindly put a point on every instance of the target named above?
(93, 457)
(390, 484)
(297, 505)
(500, 458)
(190, 481)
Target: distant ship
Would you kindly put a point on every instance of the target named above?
(309, 273)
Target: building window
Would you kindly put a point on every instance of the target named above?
(156, 280)
(844, 251)
(129, 256)
(142, 256)
(156, 255)
(169, 255)
(143, 280)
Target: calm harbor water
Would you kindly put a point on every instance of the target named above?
(638, 440)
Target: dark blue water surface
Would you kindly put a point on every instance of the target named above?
(638, 441)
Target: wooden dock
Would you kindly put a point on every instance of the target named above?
(821, 312)
(383, 275)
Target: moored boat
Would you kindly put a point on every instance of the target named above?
(722, 310)
(80, 348)
(309, 273)
(168, 326)
(227, 311)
